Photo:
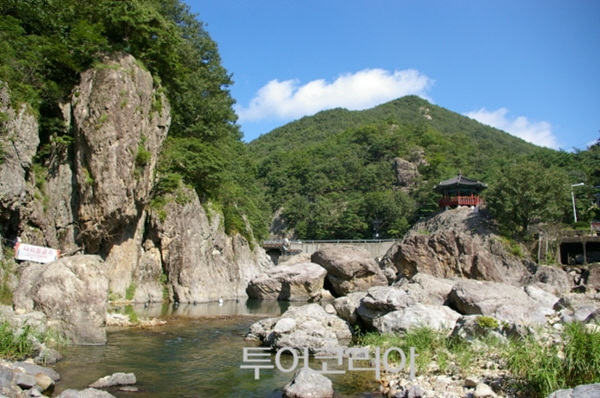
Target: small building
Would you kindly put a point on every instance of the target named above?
(460, 191)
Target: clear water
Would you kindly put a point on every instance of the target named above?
(198, 353)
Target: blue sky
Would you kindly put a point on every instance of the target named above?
(531, 68)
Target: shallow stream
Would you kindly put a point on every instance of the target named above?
(198, 353)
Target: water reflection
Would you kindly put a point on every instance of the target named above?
(198, 353)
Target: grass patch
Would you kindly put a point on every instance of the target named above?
(430, 345)
(130, 312)
(130, 291)
(6, 293)
(542, 369)
(14, 345)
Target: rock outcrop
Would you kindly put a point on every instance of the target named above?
(18, 144)
(72, 292)
(92, 193)
(295, 282)
(119, 131)
(202, 262)
(349, 269)
(308, 326)
(455, 243)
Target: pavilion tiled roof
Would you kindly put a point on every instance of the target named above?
(460, 181)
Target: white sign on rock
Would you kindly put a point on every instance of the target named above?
(35, 253)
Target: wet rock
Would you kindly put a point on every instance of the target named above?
(308, 383)
(87, 393)
(116, 379)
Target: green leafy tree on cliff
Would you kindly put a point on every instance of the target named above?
(526, 192)
(45, 44)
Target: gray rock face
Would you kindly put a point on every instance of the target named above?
(455, 243)
(308, 383)
(118, 137)
(499, 300)
(201, 261)
(349, 269)
(308, 326)
(72, 292)
(19, 140)
(296, 282)
(406, 172)
(583, 391)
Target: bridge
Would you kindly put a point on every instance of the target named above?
(282, 250)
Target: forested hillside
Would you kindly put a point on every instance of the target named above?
(337, 174)
(45, 45)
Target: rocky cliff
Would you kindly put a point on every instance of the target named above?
(91, 194)
(458, 243)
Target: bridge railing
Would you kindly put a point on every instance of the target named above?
(281, 242)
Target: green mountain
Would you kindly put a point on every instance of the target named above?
(337, 175)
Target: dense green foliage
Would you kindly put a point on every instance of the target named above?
(526, 192)
(332, 173)
(45, 44)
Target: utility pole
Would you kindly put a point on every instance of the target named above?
(573, 199)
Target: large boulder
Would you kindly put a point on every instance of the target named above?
(427, 289)
(346, 307)
(72, 292)
(592, 278)
(296, 282)
(552, 279)
(455, 243)
(308, 383)
(349, 268)
(379, 301)
(499, 300)
(436, 317)
(308, 326)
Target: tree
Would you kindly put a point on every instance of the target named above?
(527, 192)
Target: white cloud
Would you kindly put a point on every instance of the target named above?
(361, 90)
(538, 133)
